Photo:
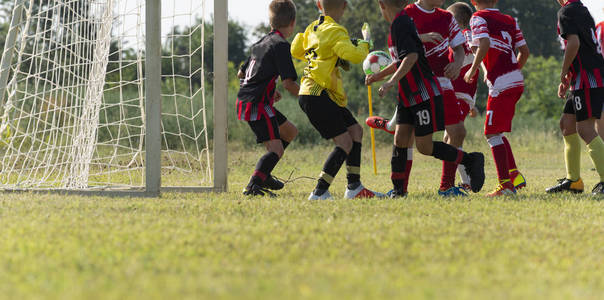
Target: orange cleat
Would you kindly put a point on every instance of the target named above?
(503, 189)
(376, 122)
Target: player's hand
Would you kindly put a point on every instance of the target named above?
(385, 88)
(432, 37)
(469, 77)
(473, 112)
(366, 31)
(369, 79)
(562, 89)
(565, 77)
(277, 96)
(452, 70)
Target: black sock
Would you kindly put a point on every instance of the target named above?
(285, 144)
(330, 169)
(265, 166)
(398, 164)
(353, 166)
(449, 153)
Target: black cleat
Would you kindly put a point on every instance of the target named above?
(598, 189)
(476, 171)
(272, 183)
(395, 194)
(566, 185)
(256, 190)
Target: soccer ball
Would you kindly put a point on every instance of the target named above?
(375, 62)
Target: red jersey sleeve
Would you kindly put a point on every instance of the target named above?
(518, 37)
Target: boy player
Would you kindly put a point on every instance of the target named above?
(324, 45)
(420, 105)
(582, 72)
(496, 37)
(269, 59)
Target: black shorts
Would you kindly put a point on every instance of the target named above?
(266, 130)
(585, 105)
(427, 117)
(326, 116)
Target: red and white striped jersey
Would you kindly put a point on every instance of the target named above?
(464, 90)
(600, 34)
(503, 72)
(442, 22)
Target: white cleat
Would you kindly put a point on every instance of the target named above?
(325, 196)
(362, 192)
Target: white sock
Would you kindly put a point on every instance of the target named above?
(463, 175)
(392, 123)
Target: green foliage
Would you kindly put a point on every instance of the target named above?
(540, 99)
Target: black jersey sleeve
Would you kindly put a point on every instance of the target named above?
(284, 62)
(405, 37)
(568, 23)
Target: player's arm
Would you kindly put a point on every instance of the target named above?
(346, 50)
(379, 76)
(297, 48)
(452, 70)
(572, 49)
(523, 55)
(405, 67)
(242, 68)
(431, 37)
(481, 52)
(291, 86)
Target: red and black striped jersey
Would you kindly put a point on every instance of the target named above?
(419, 84)
(588, 67)
(270, 58)
(501, 63)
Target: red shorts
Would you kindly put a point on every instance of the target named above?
(500, 111)
(453, 112)
(465, 109)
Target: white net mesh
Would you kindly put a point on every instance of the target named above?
(73, 114)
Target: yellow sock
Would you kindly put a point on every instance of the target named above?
(596, 152)
(572, 156)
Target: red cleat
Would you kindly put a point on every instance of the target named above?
(376, 122)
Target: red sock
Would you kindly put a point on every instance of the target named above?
(447, 180)
(508, 149)
(501, 158)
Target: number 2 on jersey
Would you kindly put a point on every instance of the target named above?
(508, 38)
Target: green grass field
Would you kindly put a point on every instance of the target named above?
(225, 246)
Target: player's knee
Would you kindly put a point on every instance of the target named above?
(344, 141)
(276, 147)
(356, 132)
(424, 146)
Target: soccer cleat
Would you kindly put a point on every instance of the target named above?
(465, 187)
(272, 183)
(394, 194)
(324, 196)
(476, 171)
(566, 185)
(378, 123)
(518, 180)
(505, 189)
(256, 190)
(598, 189)
(453, 192)
(362, 192)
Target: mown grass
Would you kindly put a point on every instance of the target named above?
(225, 246)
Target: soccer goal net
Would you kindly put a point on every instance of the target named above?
(113, 96)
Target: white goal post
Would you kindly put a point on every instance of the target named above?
(108, 97)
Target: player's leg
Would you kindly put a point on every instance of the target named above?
(600, 125)
(456, 132)
(429, 118)
(588, 109)
(355, 188)
(398, 163)
(326, 117)
(572, 153)
(463, 174)
(500, 112)
(267, 132)
(288, 133)
(377, 122)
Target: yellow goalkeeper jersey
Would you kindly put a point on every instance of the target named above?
(324, 42)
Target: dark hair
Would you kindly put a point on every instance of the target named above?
(281, 13)
(396, 3)
(462, 13)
